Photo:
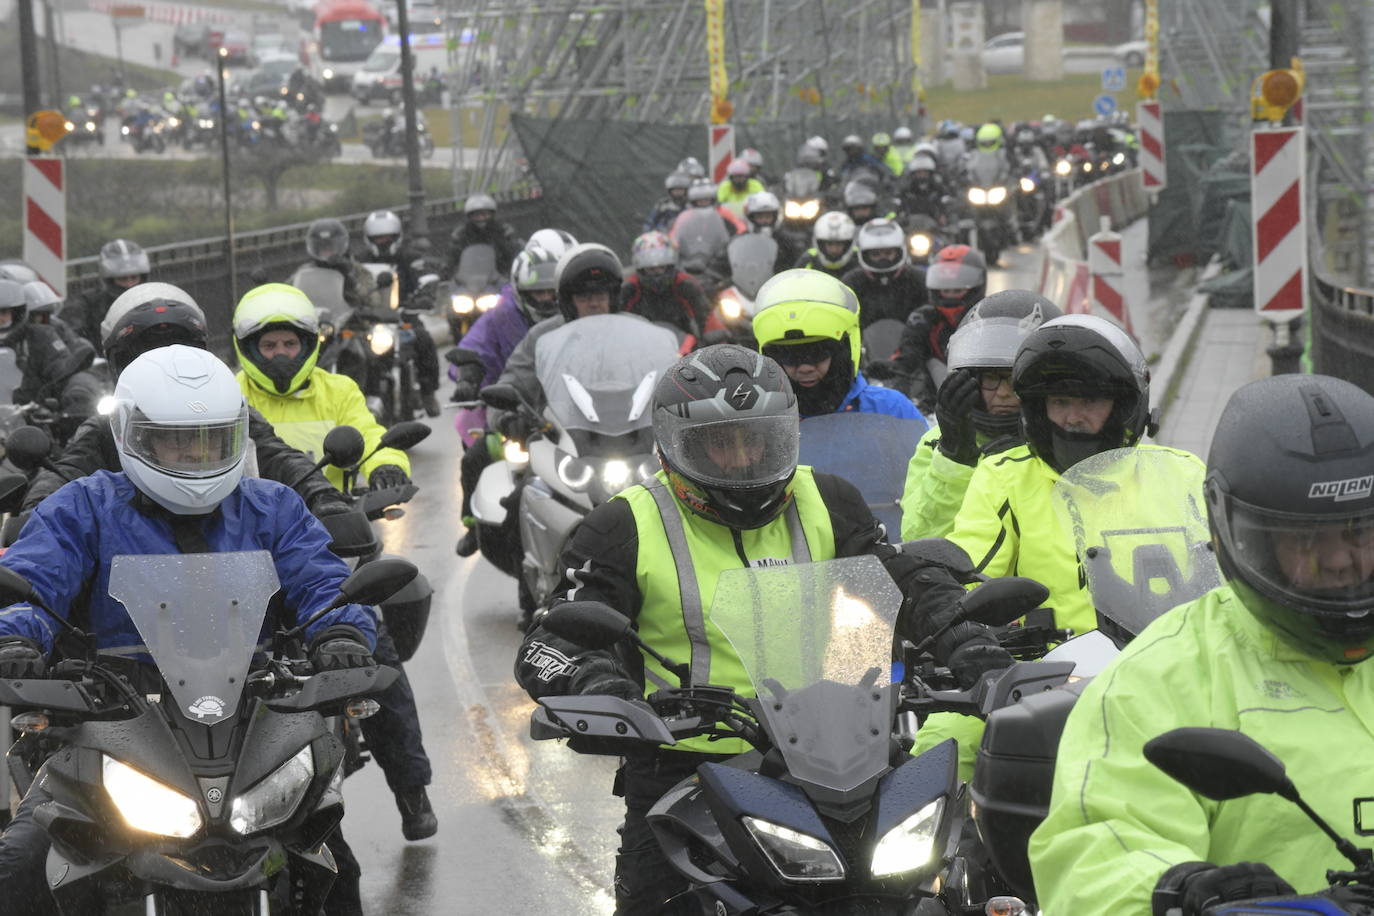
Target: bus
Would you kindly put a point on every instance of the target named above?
(346, 32)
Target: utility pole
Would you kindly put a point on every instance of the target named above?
(419, 225)
(224, 116)
(28, 63)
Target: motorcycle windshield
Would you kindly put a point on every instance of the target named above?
(751, 261)
(800, 184)
(701, 236)
(827, 444)
(324, 287)
(986, 170)
(10, 374)
(477, 268)
(816, 640)
(1140, 512)
(200, 616)
(599, 372)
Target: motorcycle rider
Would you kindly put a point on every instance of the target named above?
(956, 280)
(66, 549)
(481, 227)
(739, 183)
(924, 190)
(122, 264)
(730, 494)
(903, 144)
(659, 290)
(660, 218)
(51, 370)
(326, 242)
(762, 210)
(1084, 389)
(277, 341)
(808, 323)
(887, 283)
(857, 159)
(386, 244)
(861, 202)
(529, 298)
(1279, 652)
(832, 249)
(977, 413)
(153, 315)
(701, 194)
(884, 153)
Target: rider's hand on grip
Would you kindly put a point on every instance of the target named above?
(388, 475)
(1191, 887)
(972, 652)
(954, 405)
(463, 390)
(514, 425)
(20, 657)
(340, 647)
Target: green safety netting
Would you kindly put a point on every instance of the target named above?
(1194, 140)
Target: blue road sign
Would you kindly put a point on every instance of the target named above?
(1104, 105)
(1113, 79)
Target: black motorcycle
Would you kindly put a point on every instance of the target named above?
(208, 782)
(827, 813)
(375, 346)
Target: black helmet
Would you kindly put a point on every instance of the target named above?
(725, 421)
(1088, 357)
(988, 339)
(327, 242)
(587, 268)
(155, 323)
(1291, 473)
(14, 308)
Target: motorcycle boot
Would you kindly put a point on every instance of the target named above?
(418, 821)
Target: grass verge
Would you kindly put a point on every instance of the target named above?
(1014, 98)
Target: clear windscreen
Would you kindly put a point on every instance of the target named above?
(986, 169)
(828, 444)
(751, 261)
(200, 616)
(817, 639)
(476, 268)
(324, 287)
(1141, 512)
(599, 373)
(801, 183)
(701, 236)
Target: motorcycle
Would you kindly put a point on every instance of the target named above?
(214, 774)
(387, 140)
(987, 195)
(826, 813)
(702, 239)
(802, 204)
(598, 374)
(1138, 522)
(85, 125)
(827, 444)
(377, 350)
(1032, 203)
(145, 132)
(924, 238)
(751, 257)
(474, 290)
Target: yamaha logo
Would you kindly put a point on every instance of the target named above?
(198, 406)
(213, 795)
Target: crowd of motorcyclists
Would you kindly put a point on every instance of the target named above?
(727, 403)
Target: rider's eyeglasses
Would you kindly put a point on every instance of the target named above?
(993, 379)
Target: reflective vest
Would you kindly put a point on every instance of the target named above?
(679, 561)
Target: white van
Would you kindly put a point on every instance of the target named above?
(379, 78)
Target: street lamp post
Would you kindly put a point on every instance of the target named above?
(418, 223)
(228, 204)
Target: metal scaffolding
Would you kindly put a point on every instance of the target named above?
(645, 60)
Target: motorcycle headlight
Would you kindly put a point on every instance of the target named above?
(1027, 186)
(792, 209)
(146, 804)
(382, 339)
(124, 130)
(811, 209)
(616, 475)
(977, 196)
(326, 330)
(487, 302)
(1087, 166)
(1063, 167)
(575, 472)
(173, 122)
(257, 125)
(909, 845)
(69, 126)
(274, 799)
(1119, 159)
(90, 125)
(328, 73)
(795, 855)
(919, 244)
(514, 452)
(996, 196)
(731, 308)
(463, 305)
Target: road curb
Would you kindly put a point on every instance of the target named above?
(1165, 378)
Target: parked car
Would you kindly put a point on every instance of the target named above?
(238, 46)
(271, 75)
(1005, 53)
(1131, 54)
(197, 39)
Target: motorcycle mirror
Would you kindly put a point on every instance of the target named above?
(405, 435)
(12, 489)
(1000, 601)
(587, 623)
(27, 448)
(373, 583)
(343, 446)
(1219, 763)
(502, 397)
(385, 279)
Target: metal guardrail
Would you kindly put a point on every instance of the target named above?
(200, 266)
(1343, 331)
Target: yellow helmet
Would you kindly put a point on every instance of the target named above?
(276, 307)
(806, 306)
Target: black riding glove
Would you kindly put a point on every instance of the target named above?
(970, 650)
(954, 406)
(338, 647)
(386, 476)
(514, 425)
(329, 502)
(1194, 886)
(464, 390)
(20, 657)
(468, 380)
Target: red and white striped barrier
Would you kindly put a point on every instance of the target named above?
(1108, 286)
(1151, 134)
(172, 14)
(45, 221)
(722, 150)
(1278, 163)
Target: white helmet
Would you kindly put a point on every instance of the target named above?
(835, 226)
(41, 299)
(876, 242)
(901, 135)
(181, 426)
(379, 225)
(553, 242)
(760, 201)
(136, 296)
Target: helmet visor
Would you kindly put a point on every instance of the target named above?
(736, 453)
(188, 450)
(954, 275)
(1321, 565)
(987, 344)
